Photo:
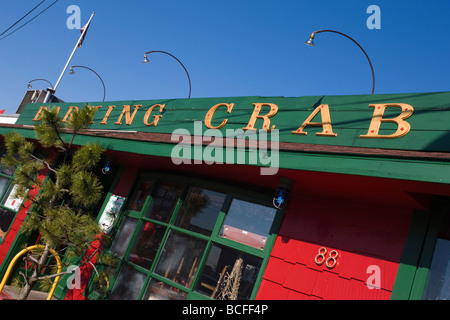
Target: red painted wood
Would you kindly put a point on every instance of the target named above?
(5, 246)
(269, 290)
(362, 234)
(125, 181)
(86, 270)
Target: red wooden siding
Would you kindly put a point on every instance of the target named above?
(20, 216)
(363, 235)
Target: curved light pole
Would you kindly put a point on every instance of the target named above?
(103, 84)
(29, 83)
(310, 42)
(146, 61)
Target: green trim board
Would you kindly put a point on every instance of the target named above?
(419, 248)
(411, 255)
(384, 167)
(350, 116)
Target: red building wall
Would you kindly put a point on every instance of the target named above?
(20, 217)
(364, 235)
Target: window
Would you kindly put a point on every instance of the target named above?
(141, 194)
(9, 205)
(157, 290)
(123, 236)
(200, 210)
(248, 223)
(229, 274)
(128, 285)
(180, 258)
(438, 282)
(146, 247)
(183, 239)
(164, 200)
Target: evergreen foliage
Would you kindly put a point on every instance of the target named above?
(61, 212)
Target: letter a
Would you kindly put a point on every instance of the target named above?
(374, 280)
(327, 129)
(374, 21)
(74, 21)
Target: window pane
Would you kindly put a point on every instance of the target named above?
(248, 223)
(228, 274)
(438, 283)
(7, 170)
(157, 290)
(164, 201)
(6, 218)
(4, 182)
(147, 245)
(123, 236)
(128, 285)
(180, 258)
(141, 195)
(200, 210)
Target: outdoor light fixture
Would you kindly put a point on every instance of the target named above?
(310, 43)
(147, 61)
(107, 168)
(103, 84)
(29, 83)
(281, 197)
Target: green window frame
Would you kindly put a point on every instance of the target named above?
(197, 273)
(416, 262)
(9, 211)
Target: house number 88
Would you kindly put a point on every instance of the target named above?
(331, 261)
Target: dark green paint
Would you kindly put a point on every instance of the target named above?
(350, 116)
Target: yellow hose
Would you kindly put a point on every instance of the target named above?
(17, 256)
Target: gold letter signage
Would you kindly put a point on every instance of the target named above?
(266, 125)
(210, 114)
(157, 117)
(378, 117)
(128, 118)
(105, 118)
(327, 130)
(403, 127)
(39, 114)
(68, 115)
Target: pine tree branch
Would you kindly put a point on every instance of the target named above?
(70, 145)
(86, 261)
(44, 162)
(56, 130)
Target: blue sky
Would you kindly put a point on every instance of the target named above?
(230, 48)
